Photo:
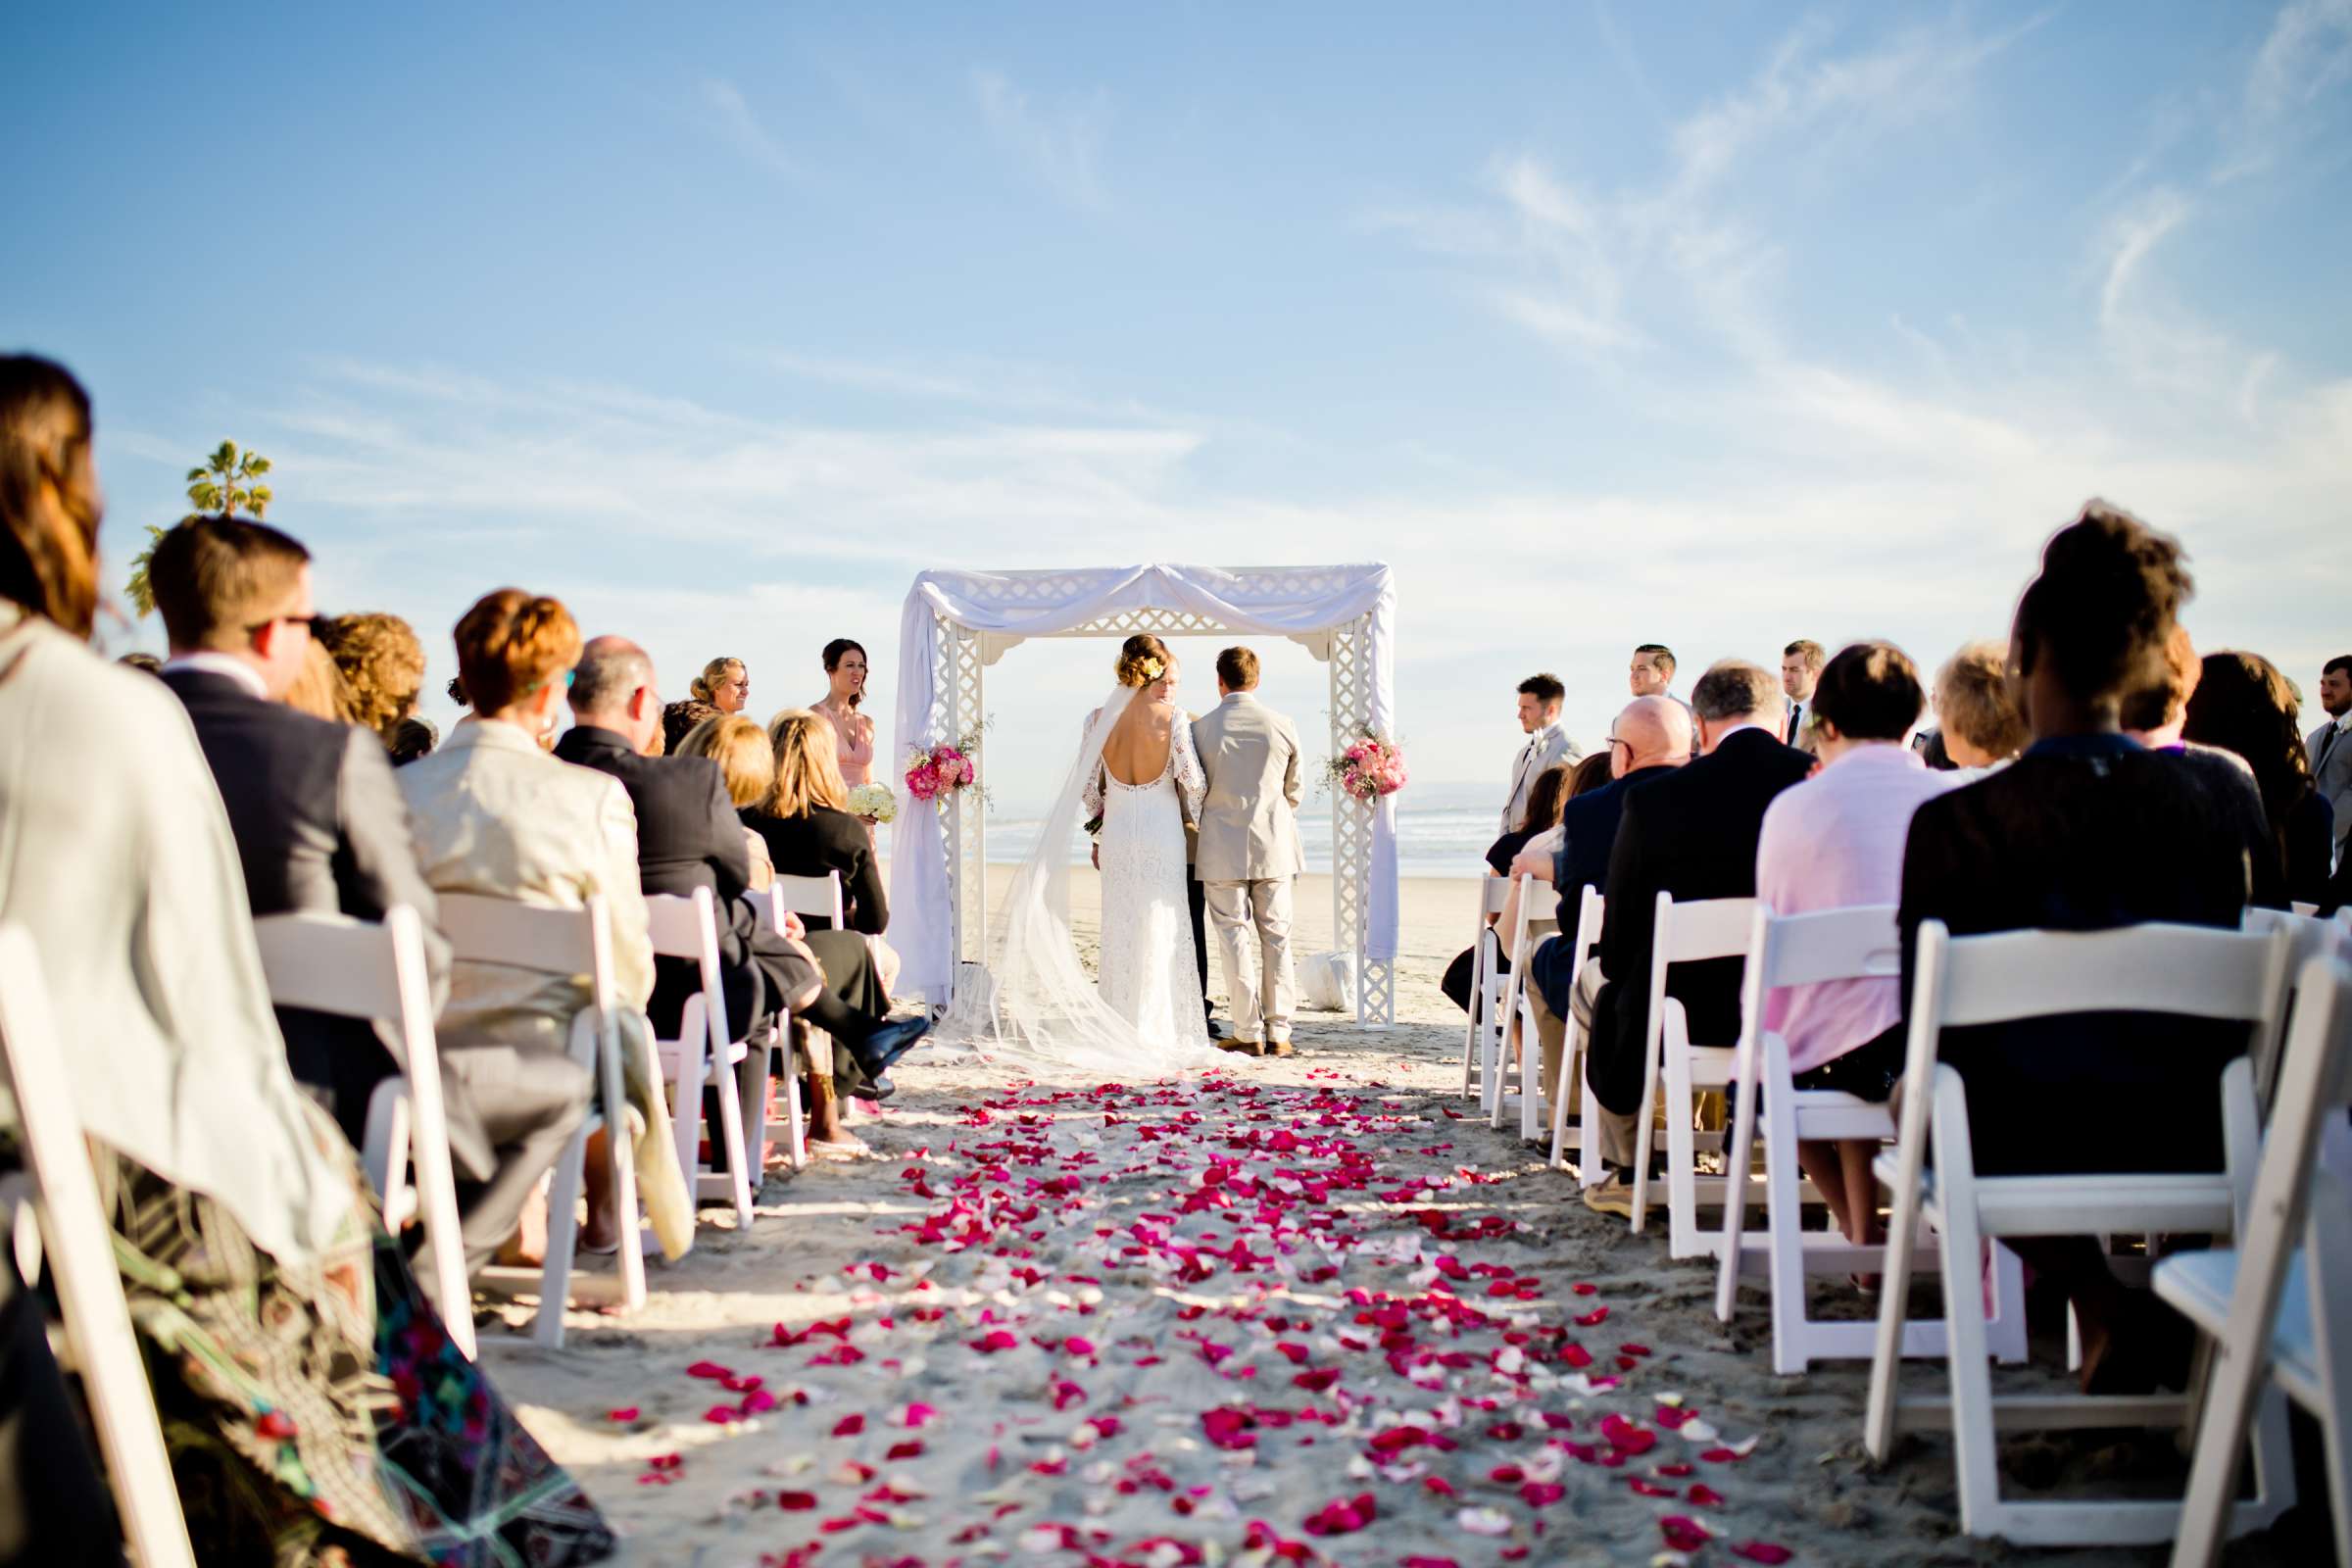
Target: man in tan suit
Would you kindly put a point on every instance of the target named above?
(1248, 854)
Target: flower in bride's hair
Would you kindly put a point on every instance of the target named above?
(1152, 668)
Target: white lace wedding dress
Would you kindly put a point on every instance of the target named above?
(1041, 1010)
(1147, 973)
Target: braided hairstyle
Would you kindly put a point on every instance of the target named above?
(2104, 606)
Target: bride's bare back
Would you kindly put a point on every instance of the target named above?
(1136, 751)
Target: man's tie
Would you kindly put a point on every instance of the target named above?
(2335, 732)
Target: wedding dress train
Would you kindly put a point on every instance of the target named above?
(1039, 1008)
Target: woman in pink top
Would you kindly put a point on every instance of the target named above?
(1833, 842)
(845, 667)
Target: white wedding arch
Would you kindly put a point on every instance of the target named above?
(958, 623)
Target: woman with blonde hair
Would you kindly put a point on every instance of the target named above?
(493, 815)
(320, 689)
(309, 1383)
(745, 759)
(806, 818)
(725, 684)
(382, 664)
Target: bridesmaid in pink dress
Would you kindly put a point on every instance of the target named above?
(845, 668)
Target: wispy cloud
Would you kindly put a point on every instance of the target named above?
(2308, 52)
(1062, 148)
(731, 116)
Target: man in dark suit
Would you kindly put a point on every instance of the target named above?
(688, 837)
(1691, 834)
(319, 824)
(1649, 739)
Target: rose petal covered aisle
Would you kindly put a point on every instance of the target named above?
(1223, 1320)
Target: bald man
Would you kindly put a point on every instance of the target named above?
(1650, 739)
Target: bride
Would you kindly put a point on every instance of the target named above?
(1136, 771)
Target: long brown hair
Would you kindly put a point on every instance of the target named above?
(48, 494)
(808, 764)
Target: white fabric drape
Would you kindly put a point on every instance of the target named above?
(1296, 601)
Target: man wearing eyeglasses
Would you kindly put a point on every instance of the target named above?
(319, 823)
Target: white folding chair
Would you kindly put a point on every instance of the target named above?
(80, 1252)
(359, 969)
(2276, 1312)
(1851, 943)
(573, 942)
(1529, 930)
(1686, 933)
(1486, 976)
(2308, 938)
(2193, 972)
(688, 928)
(809, 897)
(1589, 908)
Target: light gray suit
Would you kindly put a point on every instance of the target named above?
(1249, 856)
(2334, 775)
(1545, 746)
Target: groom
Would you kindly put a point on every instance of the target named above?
(1249, 852)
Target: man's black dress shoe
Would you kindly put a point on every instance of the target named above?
(886, 1044)
(877, 1088)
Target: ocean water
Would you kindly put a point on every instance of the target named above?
(1431, 841)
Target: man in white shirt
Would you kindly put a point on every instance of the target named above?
(2329, 747)
(1801, 662)
(1540, 698)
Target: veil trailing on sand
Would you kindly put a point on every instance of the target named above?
(1041, 1008)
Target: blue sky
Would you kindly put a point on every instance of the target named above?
(1715, 326)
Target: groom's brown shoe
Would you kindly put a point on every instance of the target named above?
(1278, 1047)
(1242, 1048)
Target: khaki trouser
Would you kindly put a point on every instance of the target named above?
(1260, 981)
(1617, 1133)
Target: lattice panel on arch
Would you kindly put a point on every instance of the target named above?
(1160, 622)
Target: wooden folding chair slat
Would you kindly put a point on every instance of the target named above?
(578, 942)
(361, 970)
(1850, 944)
(2190, 971)
(687, 928)
(2279, 1305)
(80, 1253)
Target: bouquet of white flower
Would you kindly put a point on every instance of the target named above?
(875, 800)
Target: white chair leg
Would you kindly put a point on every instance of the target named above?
(740, 1154)
(1894, 1293)
(1739, 1159)
(2008, 1331)
(1682, 1153)
(563, 1235)
(1643, 1116)
(1966, 1353)
(1783, 1178)
(1571, 1071)
(1477, 1002)
(624, 1186)
(686, 1108)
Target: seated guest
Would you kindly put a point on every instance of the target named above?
(2154, 717)
(318, 820)
(807, 822)
(1649, 739)
(680, 718)
(1691, 833)
(2088, 831)
(308, 1387)
(382, 664)
(413, 738)
(1833, 842)
(725, 684)
(689, 837)
(2243, 705)
(1982, 726)
(748, 763)
(1545, 796)
(317, 688)
(496, 816)
(1548, 746)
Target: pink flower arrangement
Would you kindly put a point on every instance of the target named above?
(1371, 767)
(942, 770)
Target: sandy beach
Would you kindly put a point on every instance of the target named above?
(1298, 1311)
